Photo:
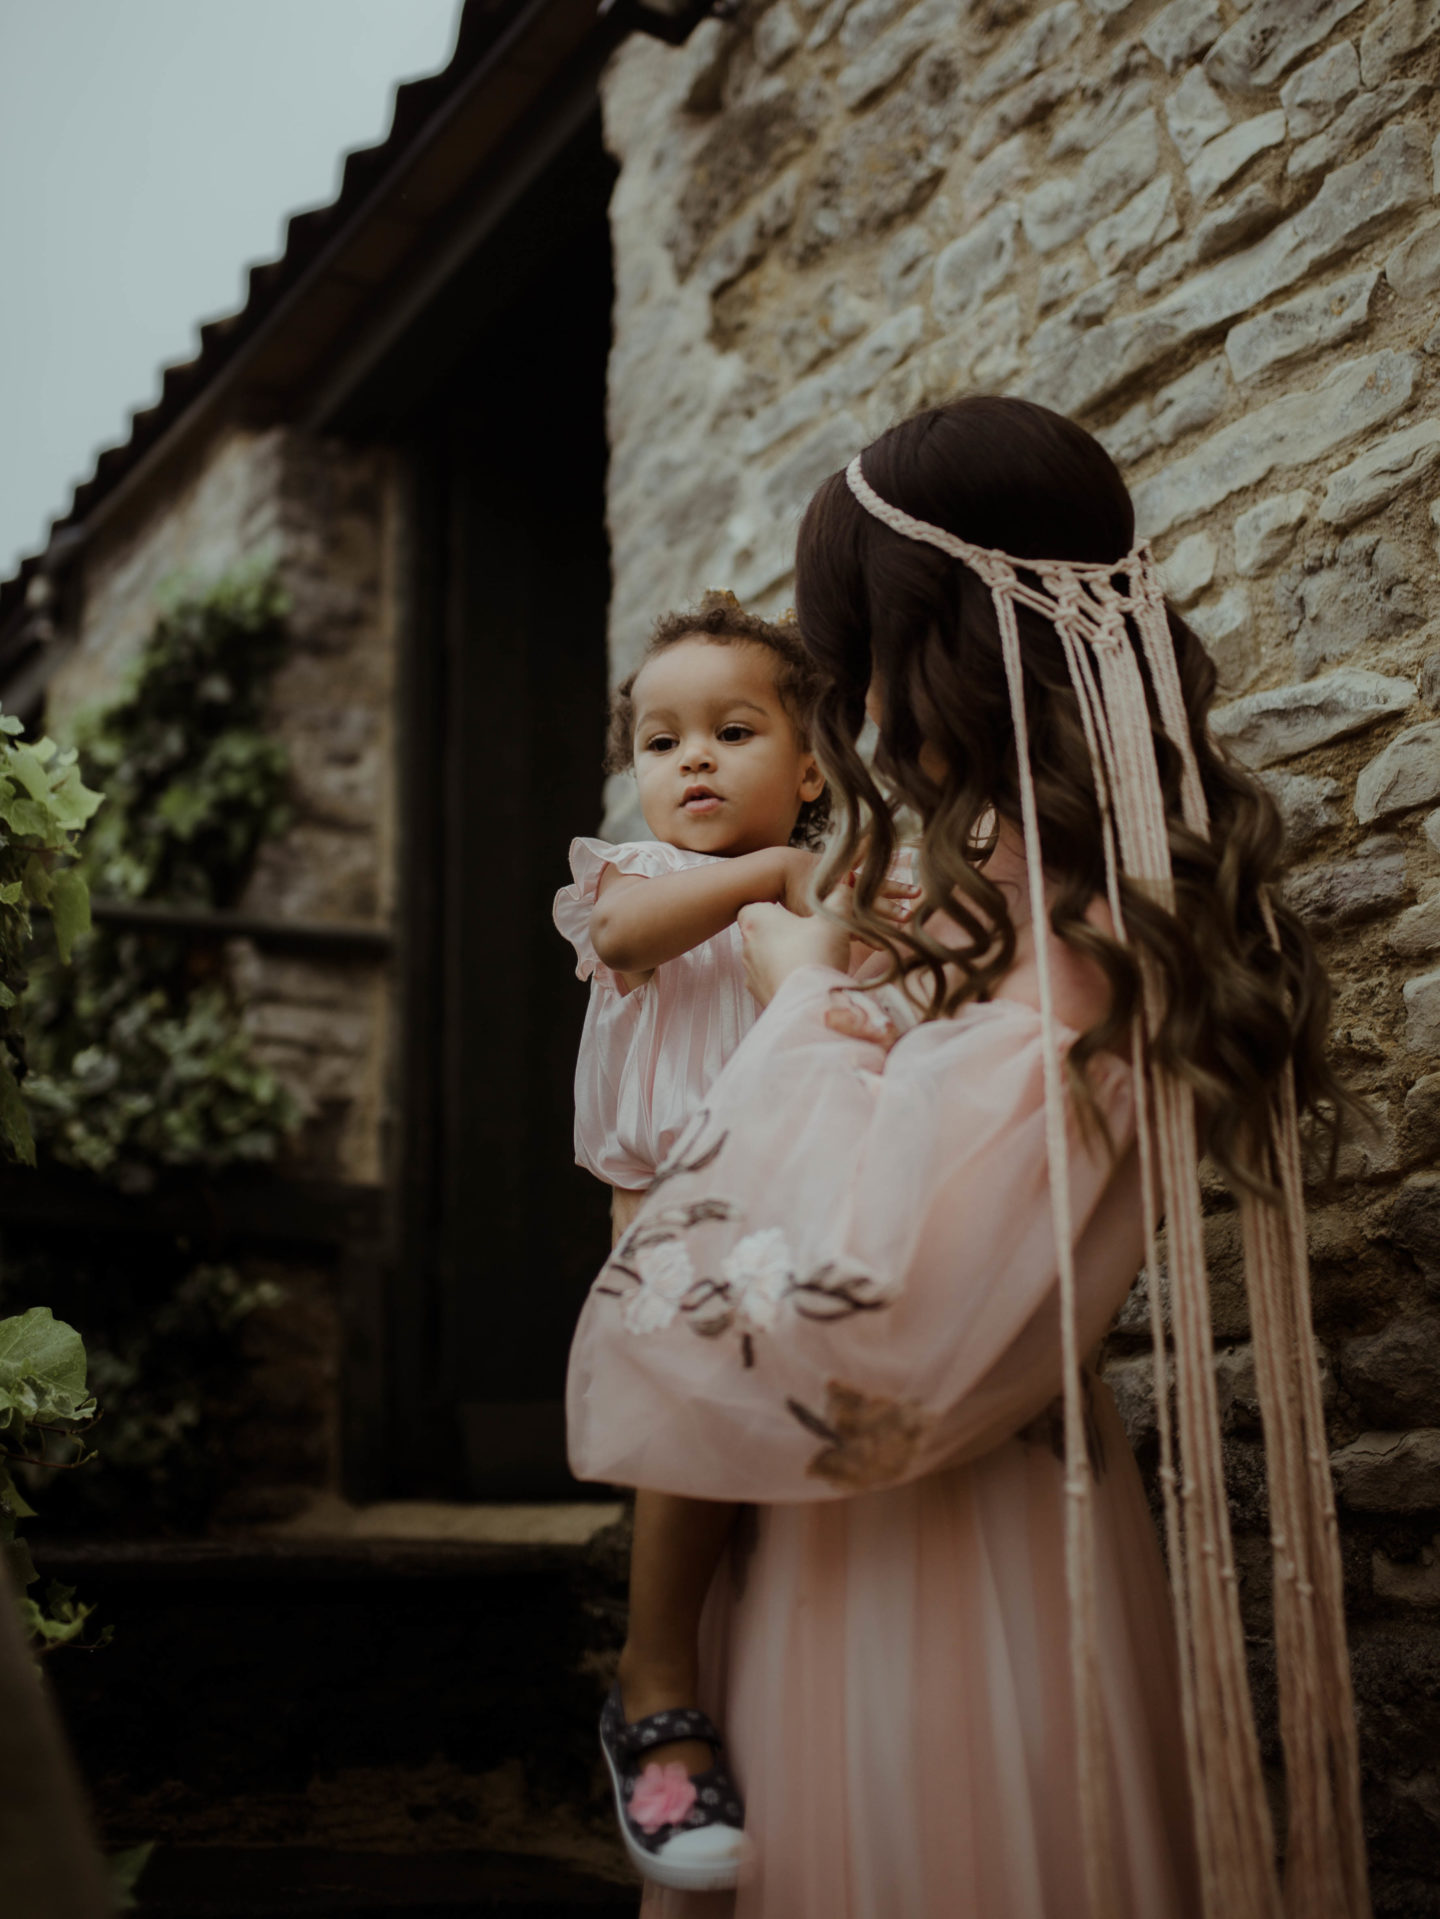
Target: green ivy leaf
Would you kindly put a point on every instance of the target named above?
(125, 1870)
(42, 1360)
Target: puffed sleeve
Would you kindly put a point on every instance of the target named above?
(844, 1276)
(574, 904)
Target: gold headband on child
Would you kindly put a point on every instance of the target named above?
(1093, 608)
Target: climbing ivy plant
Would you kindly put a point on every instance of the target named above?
(140, 1058)
(44, 804)
(45, 1411)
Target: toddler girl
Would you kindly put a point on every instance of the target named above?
(713, 723)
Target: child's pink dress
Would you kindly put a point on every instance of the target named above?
(839, 1302)
(647, 1057)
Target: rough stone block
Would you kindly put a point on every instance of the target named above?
(1103, 110)
(1411, 1582)
(1415, 1222)
(1291, 431)
(1431, 829)
(894, 51)
(1267, 531)
(1277, 725)
(1061, 210)
(1227, 627)
(1048, 36)
(1313, 96)
(882, 167)
(1395, 1373)
(1253, 211)
(1194, 114)
(1182, 30)
(905, 265)
(1192, 401)
(996, 330)
(1142, 224)
(746, 148)
(1364, 591)
(1319, 317)
(789, 485)
(1422, 1117)
(1413, 269)
(1062, 280)
(1189, 569)
(1268, 40)
(1403, 774)
(1348, 892)
(1309, 806)
(777, 34)
(1001, 177)
(1381, 473)
(1422, 1013)
(1389, 1472)
(975, 265)
(1402, 29)
(1218, 163)
(1352, 204)
(1022, 107)
(863, 22)
(1364, 113)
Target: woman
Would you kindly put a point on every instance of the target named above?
(945, 1659)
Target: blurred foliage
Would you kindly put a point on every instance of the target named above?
(163, 1333)
(140, 1061)
(46, 1409)
(43, 806)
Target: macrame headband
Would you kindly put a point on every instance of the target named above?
(1094, 608)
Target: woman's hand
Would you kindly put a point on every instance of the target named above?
(777, 944)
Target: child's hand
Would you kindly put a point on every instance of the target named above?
(777, 944)
(896, 901)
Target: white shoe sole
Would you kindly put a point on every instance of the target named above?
(720, 1872)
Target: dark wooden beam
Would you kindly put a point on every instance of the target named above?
(264, 1207)
(334, 939)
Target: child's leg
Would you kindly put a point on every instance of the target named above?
(678, 1543)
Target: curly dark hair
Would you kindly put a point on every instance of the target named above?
(874, 606)
(720, 617)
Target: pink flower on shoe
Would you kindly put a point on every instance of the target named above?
(662, 1797)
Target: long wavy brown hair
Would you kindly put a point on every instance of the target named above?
(873, 605)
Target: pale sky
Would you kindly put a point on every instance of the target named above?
(150, 151)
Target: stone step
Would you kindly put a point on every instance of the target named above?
(294, 1882)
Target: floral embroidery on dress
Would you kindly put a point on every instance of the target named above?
(760, 1269)
(665, 1275)
(758, 1278)
(870, 1440)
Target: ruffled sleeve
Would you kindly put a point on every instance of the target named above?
(844, 1275)
(588, 859)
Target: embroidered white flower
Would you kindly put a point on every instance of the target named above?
(665, 1269)
(760, 1268)
(666, 1275)
(647, 1312)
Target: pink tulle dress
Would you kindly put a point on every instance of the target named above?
(838, 1302)
(647, 1057)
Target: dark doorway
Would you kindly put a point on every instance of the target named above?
(499, 1232)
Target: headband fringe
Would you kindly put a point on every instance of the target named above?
(1093, 608)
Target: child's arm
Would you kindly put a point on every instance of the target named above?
(639, 923)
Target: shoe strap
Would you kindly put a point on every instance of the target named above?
(635, 1737)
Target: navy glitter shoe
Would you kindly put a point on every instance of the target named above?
(681, 1830)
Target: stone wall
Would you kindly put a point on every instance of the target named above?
(1211, 231)
(323, 513)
